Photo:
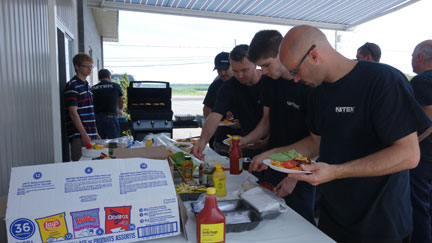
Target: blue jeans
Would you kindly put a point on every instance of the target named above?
(421, 188)
(107, 125)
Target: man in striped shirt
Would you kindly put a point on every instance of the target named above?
(80, 117)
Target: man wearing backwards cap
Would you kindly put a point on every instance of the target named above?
(223, 67)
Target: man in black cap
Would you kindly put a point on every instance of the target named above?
(108, 102)
(223, 67)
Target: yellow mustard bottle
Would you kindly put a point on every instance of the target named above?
(219, 181)
(187, 168)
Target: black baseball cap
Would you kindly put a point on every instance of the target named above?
(222, 61)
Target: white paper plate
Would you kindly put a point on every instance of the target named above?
(226, 124)
(280, 169)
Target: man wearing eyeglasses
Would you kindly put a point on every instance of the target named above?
(421, 177)
(80, 117)
(363, 122)
(369, 52)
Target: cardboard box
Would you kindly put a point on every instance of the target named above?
(119, 200)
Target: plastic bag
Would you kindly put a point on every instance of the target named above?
(263, 200)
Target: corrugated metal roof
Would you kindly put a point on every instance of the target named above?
(328, 14)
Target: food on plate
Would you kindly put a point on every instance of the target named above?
(184, 146)
(98, 146)
(226, 121)
(186, 188)
(89, 146)
(289, 160)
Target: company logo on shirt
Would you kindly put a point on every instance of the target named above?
(292, 104)
(344, 109)
(103, 86)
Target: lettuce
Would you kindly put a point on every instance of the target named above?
(284, 156)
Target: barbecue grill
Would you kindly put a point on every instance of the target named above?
(149, 105)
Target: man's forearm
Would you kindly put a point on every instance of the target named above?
(210, 126)
(76, 120)
(260, 131)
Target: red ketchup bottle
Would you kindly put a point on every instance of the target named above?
(211, 221)
(235, 155)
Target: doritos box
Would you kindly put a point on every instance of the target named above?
(118, 200)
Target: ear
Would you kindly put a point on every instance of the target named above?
(314, 55)
(369, 58)
(420, 57)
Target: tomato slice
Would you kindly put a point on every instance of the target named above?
(267, 185)
(289, 164)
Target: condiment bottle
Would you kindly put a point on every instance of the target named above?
(206, 175)
(235, 156)
(148, 142)
(187, 168)
(219, 181)
(210, 221)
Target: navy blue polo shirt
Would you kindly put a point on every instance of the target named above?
(78, 93)
(364, 112)
(287, 103)
(422, 85)
(245, 102)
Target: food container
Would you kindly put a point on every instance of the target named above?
(233, 210)
(184, 146)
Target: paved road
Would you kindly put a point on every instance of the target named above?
(187, 105)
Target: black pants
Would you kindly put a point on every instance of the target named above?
(421, 188)
(330, 228)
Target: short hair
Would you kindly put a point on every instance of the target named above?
(239, 52)
(79, 58)
(372, 49)
(104, 73)
(425, 48)
(265, 44)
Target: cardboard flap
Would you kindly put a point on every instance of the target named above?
(183, 217)
(154, 152)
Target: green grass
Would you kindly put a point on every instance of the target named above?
(189, 89)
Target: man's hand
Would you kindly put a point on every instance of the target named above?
(257, 163)
(198, 148)
(85, 139)
(321, 173)
(286, 187)
(243, 141)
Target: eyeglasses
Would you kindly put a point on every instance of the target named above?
(87, 66)
(296, 70)
(366, 45)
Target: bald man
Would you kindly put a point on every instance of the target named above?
(421, 177)
(363, 120)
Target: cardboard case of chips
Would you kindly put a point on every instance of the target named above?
(118, 200)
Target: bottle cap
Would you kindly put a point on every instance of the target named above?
(218, 167)
(235, 137)
(211, 190)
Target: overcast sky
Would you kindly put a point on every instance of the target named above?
(182, 49)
